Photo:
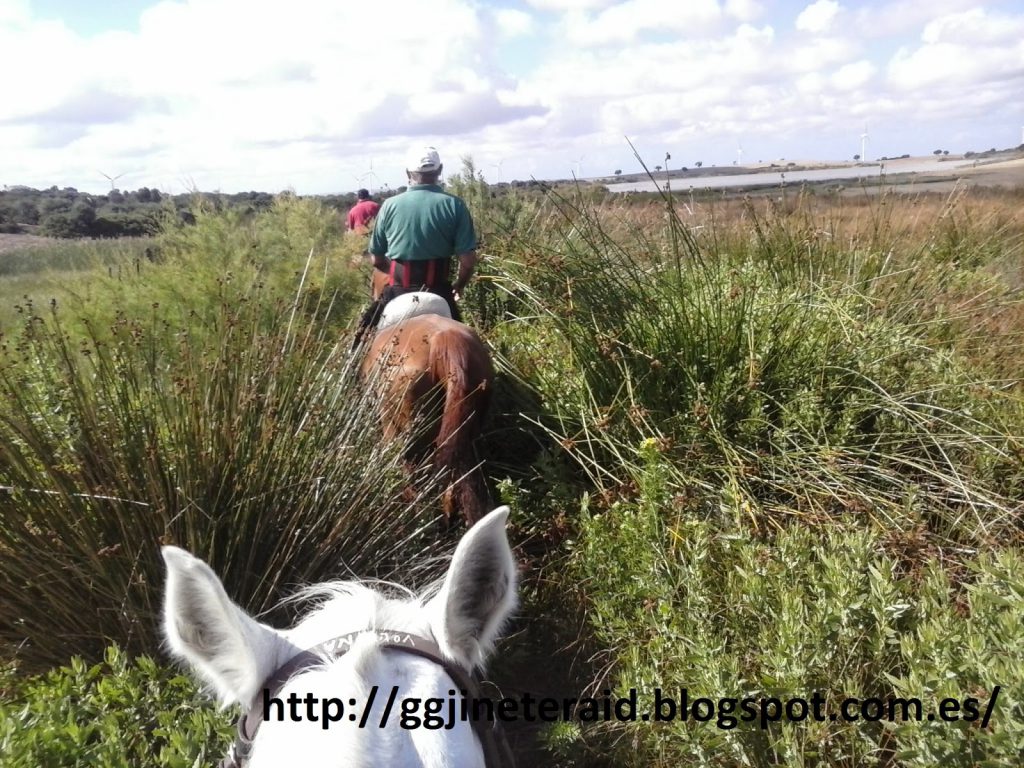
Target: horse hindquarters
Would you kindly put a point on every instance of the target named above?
(459, 359)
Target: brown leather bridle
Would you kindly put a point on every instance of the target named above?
(497, 753)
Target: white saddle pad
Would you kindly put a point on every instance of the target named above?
(412, 304)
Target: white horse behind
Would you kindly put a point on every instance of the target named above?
(236, 655)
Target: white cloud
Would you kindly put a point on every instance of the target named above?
(624, 21)
(811, 83)
(972, 49)
(14, 12)
(816, 54)
(513, 23)
(569, 5)
(818, 16)
(974, 27)
(950, 65)
(898, 17)
(852, 76)
(232, 94)
(222, 80)
(744, 10)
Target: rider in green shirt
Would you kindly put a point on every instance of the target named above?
(416, 235)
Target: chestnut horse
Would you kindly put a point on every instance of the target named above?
(436, 368)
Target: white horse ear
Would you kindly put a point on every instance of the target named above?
(231, 651)
(479, 591)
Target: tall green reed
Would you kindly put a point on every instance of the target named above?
(228, 418)
(772, 364)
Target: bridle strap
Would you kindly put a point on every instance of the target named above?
(497, 753)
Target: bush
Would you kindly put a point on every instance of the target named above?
(117, 712)
(684, 604)
(786, 446)
(779, 367)
(801, 471)
(229, 420)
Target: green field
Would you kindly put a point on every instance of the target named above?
(755, 448)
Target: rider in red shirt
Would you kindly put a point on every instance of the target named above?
(362, 213)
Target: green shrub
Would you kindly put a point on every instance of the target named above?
(227, 418)
(799, 479)
(684, 604)
(291, 253)
(774, 368)
(114, 713)
(781, 436)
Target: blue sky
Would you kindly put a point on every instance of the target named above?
(91, 18)
(324, 96)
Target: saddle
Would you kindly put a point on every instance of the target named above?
(412, 305)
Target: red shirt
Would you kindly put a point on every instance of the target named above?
(361, 214)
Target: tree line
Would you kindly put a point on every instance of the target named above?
(68, 213)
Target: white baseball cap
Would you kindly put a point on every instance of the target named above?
(423, 160)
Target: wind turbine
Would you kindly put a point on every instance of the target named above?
(111, 179)
(579, 160)
(864, 144)
(367, 175)
(498, 166)
(739, 153)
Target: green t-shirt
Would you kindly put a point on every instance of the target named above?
(424, 222)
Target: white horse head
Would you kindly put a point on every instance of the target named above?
(236, 655)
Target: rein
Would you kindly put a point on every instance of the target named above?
(497, 753)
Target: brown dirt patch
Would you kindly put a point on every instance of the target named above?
(9, 242)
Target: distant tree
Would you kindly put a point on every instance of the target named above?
(699, 163)
(55, 205)
(83, 214)
(618, 173)
(937, 152)
(945, 152)
(657, 167)
(7, 221)
(856, 157)
(25, 212)
(59, 225)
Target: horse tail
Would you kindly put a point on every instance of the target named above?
(460, 360)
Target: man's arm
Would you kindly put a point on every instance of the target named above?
(467, 263)
(377, 248)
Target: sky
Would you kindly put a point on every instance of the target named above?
(325, 96)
